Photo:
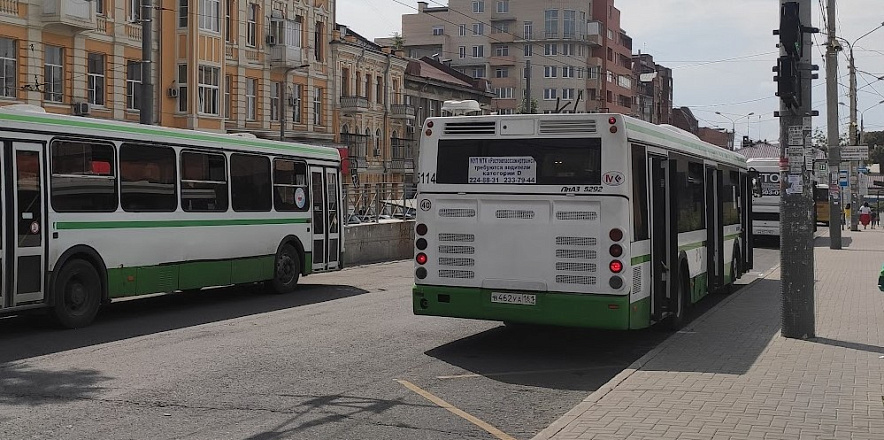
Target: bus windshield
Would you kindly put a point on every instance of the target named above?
(520, 161)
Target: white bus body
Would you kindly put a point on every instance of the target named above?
(766, 209)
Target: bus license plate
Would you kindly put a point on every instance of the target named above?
(514, 298)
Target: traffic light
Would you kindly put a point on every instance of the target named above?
(788, 67)
(791, 37)
(788, 81)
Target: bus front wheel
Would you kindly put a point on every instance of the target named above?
(287, 269)
(76, 294)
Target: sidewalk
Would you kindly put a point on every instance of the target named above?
(730, 375)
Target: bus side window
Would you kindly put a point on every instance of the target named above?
(640, 193)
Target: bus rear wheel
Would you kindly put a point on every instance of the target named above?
(77, 294)
(287, 269)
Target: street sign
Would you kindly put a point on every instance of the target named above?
(860, 152)
(842, 178)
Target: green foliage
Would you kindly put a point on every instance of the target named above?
(875, 141)
(820, 140)
(533, 108)
(398, 41)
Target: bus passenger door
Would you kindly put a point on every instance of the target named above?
(325, 197)
(714, 230)
(661, 238)
(24, 223)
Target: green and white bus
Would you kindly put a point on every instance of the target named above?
(96, 210)
(585, 220)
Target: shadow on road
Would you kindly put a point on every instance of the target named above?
(851, 345)
(826, 241)
(27, 336)
(23, 386)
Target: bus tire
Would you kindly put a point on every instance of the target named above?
(76, 294)
(678, 319)
(287, 269)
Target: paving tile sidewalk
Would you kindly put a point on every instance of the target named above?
(731, 375)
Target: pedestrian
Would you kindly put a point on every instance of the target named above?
(875, 218)
(865, 214)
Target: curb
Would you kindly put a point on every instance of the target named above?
(615, 381)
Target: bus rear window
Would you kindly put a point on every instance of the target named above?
(520, 161)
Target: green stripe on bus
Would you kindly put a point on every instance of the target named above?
(160, 131)
(640, 259)
(142, 224)
(700, 148)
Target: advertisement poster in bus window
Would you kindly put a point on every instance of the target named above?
(515, 169)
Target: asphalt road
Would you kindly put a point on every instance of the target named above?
(342, 358)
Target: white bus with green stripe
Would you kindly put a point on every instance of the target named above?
(585, 220)
(96, 210)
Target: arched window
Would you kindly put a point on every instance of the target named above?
(345, 129)
(377, 142)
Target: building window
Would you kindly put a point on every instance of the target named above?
(275, 89)
(593, 73)
(462, 51)
(478, 51)
(182, 87)
(502, 51)
(550, 71)
(550, 49)
(296, 103)
(529, 49)
(147, 178)
(209, 90)
(462, 30)
(182, 13)
(250, 183)
(133, 85)
(549, 94)
(503, 6)
(568, 49)
(568, 72)
(551, 23)
(504, 92)
(624, 81)
(8, 68)
(318, 41)
(379, 91)
(367, 88)
(134, 10)
(500, 28)
(478, 28)
(567, 93)
(95, 79)
(228, 80)
(529, 30)
(210, 15)
(53, 74)
(228, 22)
(479, 6)
(252, 26)
(569, 25)
(317, 106)
(251, 99)
(479, 72)
(438, 30)
(610, 76)
(99, 7)
(501, 73)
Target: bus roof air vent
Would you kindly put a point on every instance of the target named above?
(562, 127)
(479, 127)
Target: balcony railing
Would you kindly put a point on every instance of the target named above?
(286, 56)
(354, 104)
(9, 7)
(402, 111)
(77, 15)
(357, 149)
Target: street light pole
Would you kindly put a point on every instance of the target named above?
(734, 126)
(862, 114)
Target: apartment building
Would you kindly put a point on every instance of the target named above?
(219, 65)
(653, 90)
(374, 118)
(568, 55)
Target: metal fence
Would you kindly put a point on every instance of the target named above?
(374, 202)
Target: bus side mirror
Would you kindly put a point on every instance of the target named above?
(756, 182)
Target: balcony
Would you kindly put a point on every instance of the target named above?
(79, 16)
(354, 104)
(284, 56)
(9, 7)
(503, 16)
(402, 111)
(402, 159)
(357, 147)
(506, 60)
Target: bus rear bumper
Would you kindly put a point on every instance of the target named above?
(559, 309)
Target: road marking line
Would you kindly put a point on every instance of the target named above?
(460, 413)
(522, 373)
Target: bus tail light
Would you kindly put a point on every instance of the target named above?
(421, 229)
(421, 258)
(616, 266)
(612, 120)
(421, 244)
(615, 282)
(616, 250)
(615, 234)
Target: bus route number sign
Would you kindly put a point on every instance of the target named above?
(512, 170)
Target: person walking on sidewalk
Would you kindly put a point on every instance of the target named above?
(874, 218)
(865, 214)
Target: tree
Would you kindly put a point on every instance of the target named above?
(821, 141)
(533, 108)
(398, 41)
(875, 141)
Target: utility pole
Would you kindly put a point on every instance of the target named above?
(832, 129)
(146, 110)
(854, 166)
(528, 85)
(796, 185)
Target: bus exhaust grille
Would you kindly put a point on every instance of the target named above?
(457, 212)
(576, 267)
(457, 262)
(637, 279)
(576, 254)
(467, 238)
(556, 127)
(515, 213)
(575, 279)
(471, 128)
(456, 274)
(469, 250)
(576, 241)
(577, 215)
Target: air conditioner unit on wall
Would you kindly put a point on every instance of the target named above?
(81, 108)
(173, 92)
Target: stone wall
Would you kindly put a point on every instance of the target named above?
(376, 242)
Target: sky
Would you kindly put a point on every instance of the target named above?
(721, 53)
